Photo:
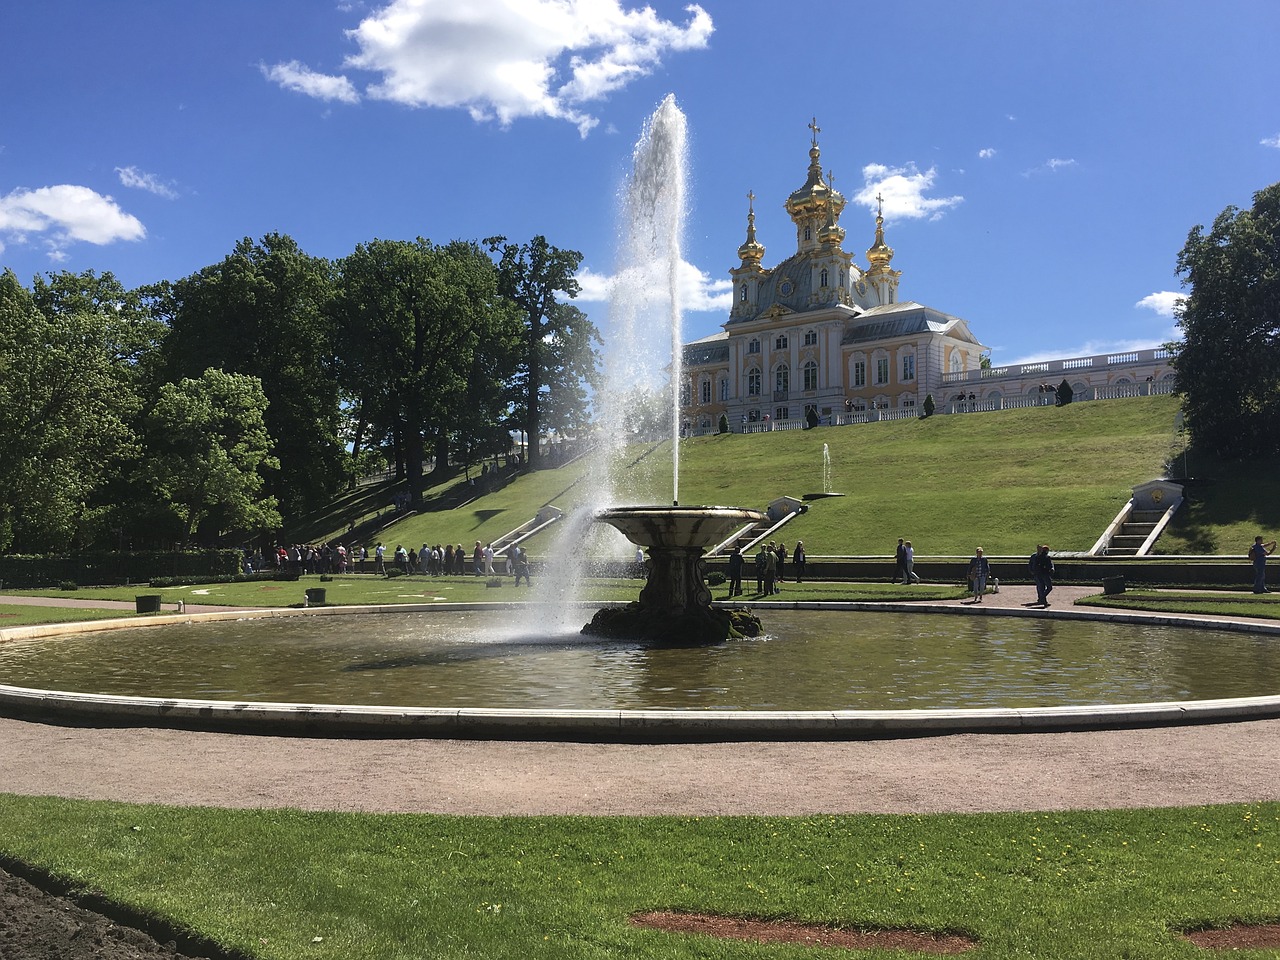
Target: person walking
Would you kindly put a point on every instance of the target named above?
(522, 567)
(1258, 553)
(380, 559)
(1042, 572)
(770, 571)
(909, 563)
(979, 572)
(798, 560)
(900, 561)
(735, 573)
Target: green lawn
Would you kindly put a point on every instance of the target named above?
(289, 885)
(361, 590)
(21, 615)
(1004, 481)
(1206, 603)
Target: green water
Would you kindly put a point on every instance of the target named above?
(810, 661)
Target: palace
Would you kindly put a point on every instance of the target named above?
(819, 336)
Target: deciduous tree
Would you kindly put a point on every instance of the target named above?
(426, 344)
(207, 449)
(1228, 362)
(69, 362)
(262, 312)
(557, 346)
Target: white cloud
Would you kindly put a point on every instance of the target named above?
(698, 292)
(1163, 302)
(64, 214)
(986, 153)
(302, 79)
(1271, 141)
(508, 59)
(1050, 166)
(133, 177)
(903, 190)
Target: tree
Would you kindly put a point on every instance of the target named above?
(262, 312)
(207, 442)
(557, 354)
(427, 346)
(929, 405)
(1065, 393)
(69, 382)
(1228, 363)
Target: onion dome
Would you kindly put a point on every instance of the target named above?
(752, 251)
(831, 231)
(880, 253)
(816, 195)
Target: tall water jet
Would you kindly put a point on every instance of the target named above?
(675, 605)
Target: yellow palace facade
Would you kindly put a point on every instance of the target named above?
(819, 332)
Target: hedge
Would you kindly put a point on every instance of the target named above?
(107, 567)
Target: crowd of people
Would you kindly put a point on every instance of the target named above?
(439, 560)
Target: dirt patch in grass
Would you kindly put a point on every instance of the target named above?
(1238, 936)
(803, 934)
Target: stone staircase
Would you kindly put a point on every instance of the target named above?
(1133, 533)
(1140, 521)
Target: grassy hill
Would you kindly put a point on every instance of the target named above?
(1004, 480)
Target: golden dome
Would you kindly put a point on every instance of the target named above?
(880, 253)
(752, 251)
(816, 195)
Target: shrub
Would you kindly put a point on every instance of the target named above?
(724, 424)
(68, 585)
(715, 578)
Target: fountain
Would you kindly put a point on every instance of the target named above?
(675, 605)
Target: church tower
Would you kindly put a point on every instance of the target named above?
(749, 274)
(815, 210)
(880, 276)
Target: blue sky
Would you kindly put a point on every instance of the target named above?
(1041, 162)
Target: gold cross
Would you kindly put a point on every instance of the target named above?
(751, 200)
(880, 209)
(813, 125)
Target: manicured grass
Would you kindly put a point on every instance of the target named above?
(288, 885)
(1228, 504)
(1209, 604)
(1005, 481)
(360, 590)
(21, 615)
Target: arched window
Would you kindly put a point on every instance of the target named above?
(753, 382)
(957, 362)
(704, 391)
(811, 338)
(811, 375)
(822, 277)
(807, 234)
(782, 378)
(724, 389)
(743, 297)
(753, 345)
(780, 342)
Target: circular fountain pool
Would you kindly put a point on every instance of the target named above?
(825, 666)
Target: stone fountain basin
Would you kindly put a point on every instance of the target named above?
(678, 526)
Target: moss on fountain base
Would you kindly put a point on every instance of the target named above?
(689, 628)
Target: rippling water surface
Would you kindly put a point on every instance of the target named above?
(809, 661)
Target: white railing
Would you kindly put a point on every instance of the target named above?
(1018, 370)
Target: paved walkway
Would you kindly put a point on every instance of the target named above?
(1173, 766)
